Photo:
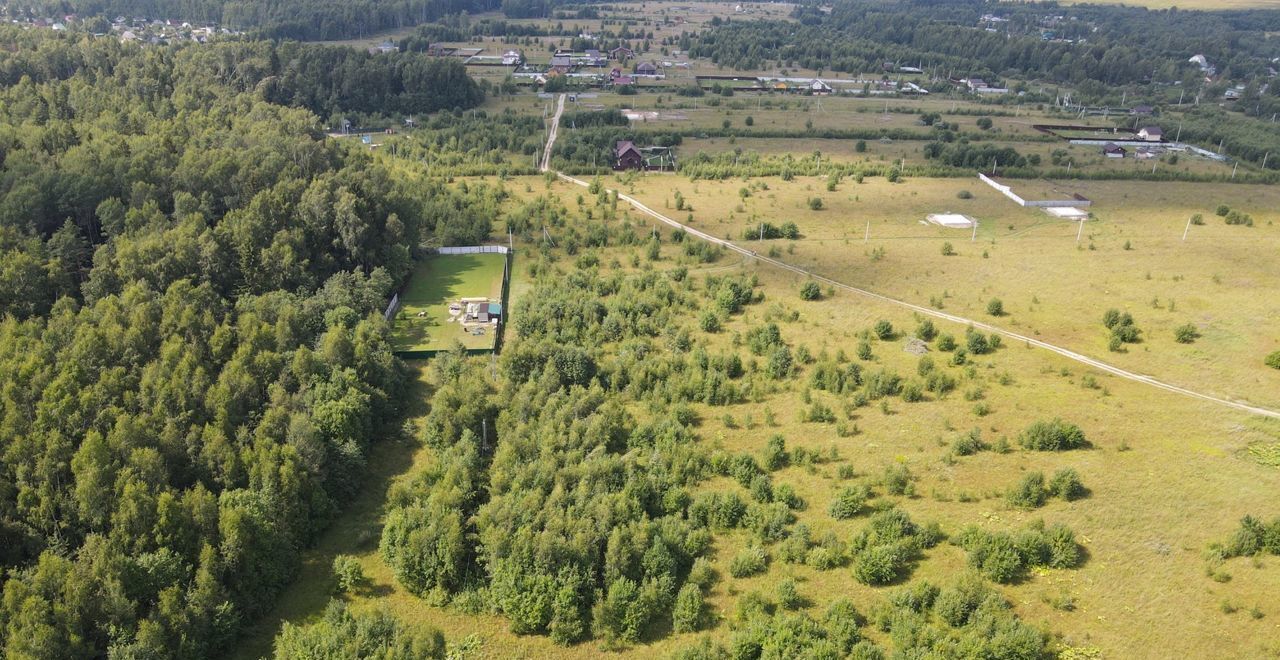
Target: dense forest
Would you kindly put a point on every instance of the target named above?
(327, 80)
(310, 20)
(192, 356)
(1117, 45)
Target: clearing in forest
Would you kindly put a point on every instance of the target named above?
(425, 321)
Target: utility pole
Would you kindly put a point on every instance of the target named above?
(867, 237)
(975, 231)
(1080, 230)
(1187, 229)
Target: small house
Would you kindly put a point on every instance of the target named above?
(512, 58)
(627, 157)
(819, 87)
(622, 53)
(561, 63)
(1151, 134)
(646, 69)
(622, 81)
(1142, 111)
(1113, 150)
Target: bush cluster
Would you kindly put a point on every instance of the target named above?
(1054, 435)
(1006, 558)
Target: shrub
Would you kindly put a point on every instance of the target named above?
(775, 453)
(897, 480)
(984, 123)
(710, 321)
(349, 573)
(810, 291)
(1055, 435)
(878, 564)
(946, 343)
(925, 330)
(1251, 538)
(780, 363)
(883, 329)
(1186, 333)
(815, 203)
(1029, 493)
(948, 250)
(912, 392)
(1273, 360)
(849, 502)
(702, 574)
(1066, 484)
(1114, 318)
(789, 597)
(687, 614)
(976, 342)
(751, 560)
(964, 194)
(1223, 210)
(969, 443)
(1005, 559)
(995, 307)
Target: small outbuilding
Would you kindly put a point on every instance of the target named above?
(1113, 150)
(1151, 134)
(646, 69)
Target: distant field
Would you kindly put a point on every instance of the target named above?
(437, 281)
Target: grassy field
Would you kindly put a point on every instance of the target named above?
(1167, 475)
(437, 281)
(1223, 279)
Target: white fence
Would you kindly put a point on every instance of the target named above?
(474, 249)
(1043, 203)
(391, 308)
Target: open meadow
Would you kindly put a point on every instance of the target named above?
(1131, 256)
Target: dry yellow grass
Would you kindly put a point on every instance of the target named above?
(1224, 279)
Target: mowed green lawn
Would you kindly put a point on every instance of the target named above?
(437, 281)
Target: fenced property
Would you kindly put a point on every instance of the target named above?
(1007, 191)
(455, 295)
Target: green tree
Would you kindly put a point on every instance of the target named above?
(688, 615)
